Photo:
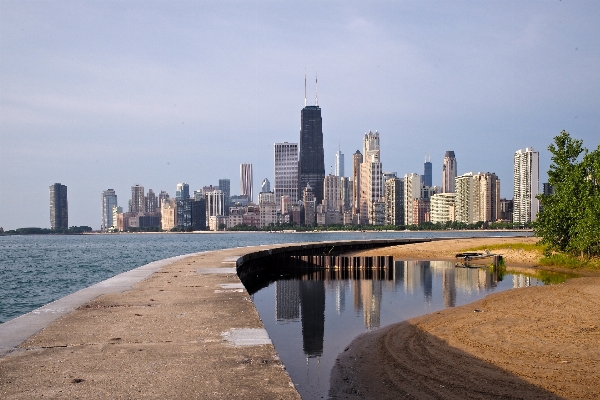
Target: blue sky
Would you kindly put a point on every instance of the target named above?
(108, 94)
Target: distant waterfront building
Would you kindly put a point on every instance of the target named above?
(267, 209)
(286, 172)
(427, 177)
(246, 181)
(225, 187)
(394, 201)
(421, 210)
(162, 196)
(442, 206)
(152, 205)
(215, 204)
(138, 199)
(168, 214)
(357, 159)
(526, 185)
(506, 210)
(116, 210)
(265, 186)
(59, 207)
(339, 163)
(345, 189)
(412, 191)
(332, 199)
(311, 163)
(449, 172)
(182, 191)
(310, 209)
(109, 200)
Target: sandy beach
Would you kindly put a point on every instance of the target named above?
(535, 342)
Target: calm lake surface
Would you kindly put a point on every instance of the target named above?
(311, 319)
(38, 269)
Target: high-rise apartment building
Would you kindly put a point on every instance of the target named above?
(442, 206)
(412, 191)
(268, 209)
(182, 191)
(246, 181)
(310, 207)
(109, 200)
(339, 163)
(449, 172)
(371, 180)
(526, 185)
(357, 159)
(59, 207)
(465, 207)
(286, 172)
(311, 164)
(137, 203)
(486, 197)
(394, 201)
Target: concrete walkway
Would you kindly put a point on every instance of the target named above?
(189, 330)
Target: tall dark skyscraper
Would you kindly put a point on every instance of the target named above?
(311, 165)
(59, 208)
(427, 174)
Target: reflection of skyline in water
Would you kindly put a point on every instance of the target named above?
(319, 312)
(303, 300)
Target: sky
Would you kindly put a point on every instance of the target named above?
(109, 94)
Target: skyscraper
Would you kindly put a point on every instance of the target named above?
(311, 164)
(286, 172)
(265, 186)
(427, 173)
(182, 191)
(357, 159)
(225, 187)
(412, 191)
(246, 180)
(394, 201)
(59, 207)
(449, 173)
(138, 201)
(339, 163)
(109, 200)
(526, 185)
(371, 185)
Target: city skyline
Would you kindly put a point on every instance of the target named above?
(158, 93)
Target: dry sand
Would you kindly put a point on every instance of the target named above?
(536, 342)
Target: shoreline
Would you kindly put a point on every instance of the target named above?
(533, 342)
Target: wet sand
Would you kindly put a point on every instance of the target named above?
(536, 342)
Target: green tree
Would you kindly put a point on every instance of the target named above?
(569, 218)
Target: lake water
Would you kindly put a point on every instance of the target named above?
(313, 317)
(38, 269)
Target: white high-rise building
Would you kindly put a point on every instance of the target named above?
(286, 172)
(449, 172)
(109, 200)
(442, 206)
(215, 204)
(526, 185)
(339, 163)
(246, 180)
(371, 182)
(267, 207)
(412, 191)
(486, 197)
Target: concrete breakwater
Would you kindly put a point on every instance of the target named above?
(184, 328)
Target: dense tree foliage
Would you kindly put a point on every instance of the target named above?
(570, 217)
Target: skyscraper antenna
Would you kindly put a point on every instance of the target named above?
(316, 90)
(304, 87)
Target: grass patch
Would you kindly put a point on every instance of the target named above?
(568, 261)
(512, 246)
